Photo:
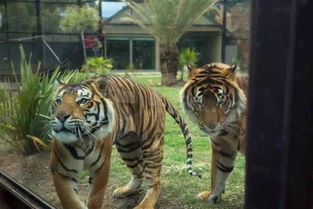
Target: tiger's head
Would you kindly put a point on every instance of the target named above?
(79, 112)
(212, 97)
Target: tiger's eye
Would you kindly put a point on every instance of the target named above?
(57, 101)
(83, 101)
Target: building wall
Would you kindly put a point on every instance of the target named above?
(214, 48)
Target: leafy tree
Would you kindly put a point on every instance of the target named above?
(167, 20)
(80, 19)
(21, 17)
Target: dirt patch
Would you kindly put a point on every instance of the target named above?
(33, 172)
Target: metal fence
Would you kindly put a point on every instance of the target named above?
(35, 25)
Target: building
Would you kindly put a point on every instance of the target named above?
(128, 44)
(35, 25)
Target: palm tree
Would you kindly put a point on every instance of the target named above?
(167, 20)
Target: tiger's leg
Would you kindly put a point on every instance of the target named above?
(153, 157)
(66, 188)
(64, 171)
(222, 164)
(130, 150)
(99, 177)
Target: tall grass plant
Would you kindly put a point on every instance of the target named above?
(26, 111)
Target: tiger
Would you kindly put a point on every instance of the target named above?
(215, 98)
(88, 118)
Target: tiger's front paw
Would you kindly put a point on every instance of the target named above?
(122, 192)
(204, 196)
(208, 196)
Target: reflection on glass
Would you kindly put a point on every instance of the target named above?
(144, 53)
(118, 50)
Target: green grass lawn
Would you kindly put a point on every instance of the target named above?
(178, 187)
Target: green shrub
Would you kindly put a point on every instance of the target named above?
(76, 77)
(26, 111)
(8, 115)
(97, 65)
(187, 57)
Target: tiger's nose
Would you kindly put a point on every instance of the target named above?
(62, 116)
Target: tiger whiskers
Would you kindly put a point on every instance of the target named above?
(85, 130)
(77, 128)
(231, 128)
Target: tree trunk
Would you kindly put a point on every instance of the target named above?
(169, 63)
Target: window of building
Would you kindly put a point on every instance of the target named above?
(118, 50)
(144, 53)
(138, 52)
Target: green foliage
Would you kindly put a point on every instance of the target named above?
(187, 57)
(26, 111)
(80, 19)
(167, 20)
(7, 116)
(21, 17)
(51, 17)
(97, 65)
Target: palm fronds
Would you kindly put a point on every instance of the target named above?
(167, 20)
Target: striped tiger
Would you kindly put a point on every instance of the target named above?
(215, 97)
(89, 117)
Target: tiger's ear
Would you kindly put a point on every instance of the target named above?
(233, 68)
(100, 82)
(230, 73)
(189, 67)
(190, 70)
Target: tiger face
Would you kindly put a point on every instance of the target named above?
(79, 113)
(212, 98)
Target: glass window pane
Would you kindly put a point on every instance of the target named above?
(22, 17)
(118, 50)
(144, 53)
